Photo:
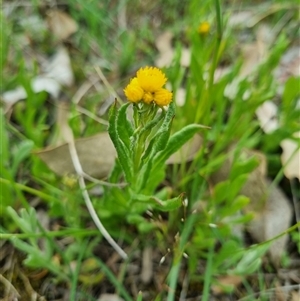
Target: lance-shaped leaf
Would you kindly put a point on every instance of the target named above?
(176, 141)
(163, 134)
(167, 205)
(143, 135)
(123, 153)
(160, 139)
(157, 143)
(124, 127)
(171, 204)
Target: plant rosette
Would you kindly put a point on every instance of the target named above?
(144, 141)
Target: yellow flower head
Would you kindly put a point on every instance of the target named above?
(148, 97)
(133, 91)
(162, 97)
(151, 79)
(147, 86)
(204, 28)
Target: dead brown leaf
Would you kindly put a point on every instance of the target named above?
(61, 24)
(267, 117)
(164, 42)
(96, 154)
(228, 281)
(289, 64)
(272, 221)
(166, 51)
(147, 265)
(240, 18)
(255, 186)
(59, 67)
(180, 97)
(110, 297)
(256, 52)
(57, 72)
(271, 208)
(253, 55)
(290, 157)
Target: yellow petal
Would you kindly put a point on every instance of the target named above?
(133, 91)
(163, 97)
(151, 79)
(148, 97)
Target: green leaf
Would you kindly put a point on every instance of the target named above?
(26, 222)
(236, 185)
(150, 125)
(5, 169)
(221, 191)
(116, 283)
(146, 227)
(176, 141)
(112, 130)
(4, 149)
(291, 91)
(138, 197)
(232, 207)
(123, 155)
(143, 225)
(161, 205)
(157, 144)
(154, 179)
(244, 167)
(163, 134)
(115, 173)
(171, 204)
(146, 131)
(227, 256)
(38, 259)
(251, 260)
(123, 126)
(135, 219)
(145, 173)
(22, 152)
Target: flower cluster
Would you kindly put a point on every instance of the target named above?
(147, 86)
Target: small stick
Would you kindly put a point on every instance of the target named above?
(106, 83)
(94, 180)
(9, 286)
(88, 202)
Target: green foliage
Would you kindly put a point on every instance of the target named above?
(181, 197)
(36, 258)
(142, 154)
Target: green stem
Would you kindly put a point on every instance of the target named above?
(173, 276)
(140, 147)
(218, 43)
(208, 274)
(71, 232)
(30, 190)
(75, 274)
(219, 20)
(184, 237)
(203, 110)
(112, 278)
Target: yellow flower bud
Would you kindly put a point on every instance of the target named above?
(133, 91)
(148, 97)
(151, 79)
(163, 97)
(204, 28)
